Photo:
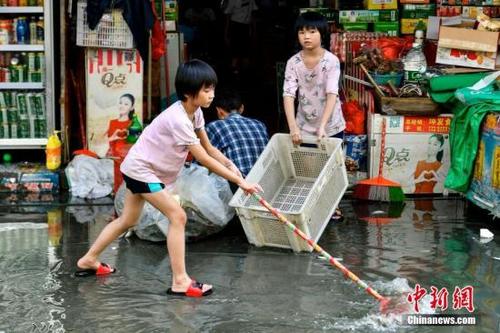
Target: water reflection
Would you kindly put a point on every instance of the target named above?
(256, 289)
(31, 267)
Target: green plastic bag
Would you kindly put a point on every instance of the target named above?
(476, 102)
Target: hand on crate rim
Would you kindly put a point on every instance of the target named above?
(250, 188)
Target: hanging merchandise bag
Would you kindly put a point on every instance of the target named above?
(476, 101)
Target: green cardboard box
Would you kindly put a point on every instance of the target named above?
(418, 11)
(367, 16)
(355, 26)
(391, 28)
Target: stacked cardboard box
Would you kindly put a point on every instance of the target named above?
(412, 14)
(385, 21)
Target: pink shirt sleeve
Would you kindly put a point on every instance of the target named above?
(199, 120)
(291, 82)
(332, 77)
(184, 135)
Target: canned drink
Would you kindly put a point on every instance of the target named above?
(4, 131)
(8, 98)
(3, 103)
(40, 102)
(3, 112)
(22, 105)
(31, 105)
(14, 73)
(24, 130)
(35, 76)
(6, 74)
(32, 61)
(12, 115)
(13, 131)
(40, 127)
(23, 73)
(13, 99)
(37, 107)
(41, 61)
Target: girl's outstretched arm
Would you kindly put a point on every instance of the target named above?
(201, 155)
(216, 153)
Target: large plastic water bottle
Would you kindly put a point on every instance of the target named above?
(415, 64)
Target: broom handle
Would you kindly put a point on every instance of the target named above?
(318, 248)
(382, 148)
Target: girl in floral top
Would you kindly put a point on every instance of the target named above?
(313, 76)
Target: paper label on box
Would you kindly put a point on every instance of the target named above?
(426, 124)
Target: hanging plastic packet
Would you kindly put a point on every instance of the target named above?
(483, 91)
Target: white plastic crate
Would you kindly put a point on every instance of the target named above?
(304, 183)
(111, 32)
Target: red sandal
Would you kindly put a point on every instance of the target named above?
(195, 289)
(104, 269)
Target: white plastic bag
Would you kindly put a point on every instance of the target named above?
(207, 194)
(205, 198)
(90, 177)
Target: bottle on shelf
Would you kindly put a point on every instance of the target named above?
(23, 3)
(13, 31)
(22, 31)
(5, 29)
(33, 32)
(12, 3)
(14, 73)
(40, 31)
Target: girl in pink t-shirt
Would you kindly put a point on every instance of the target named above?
(312, 76)
(152, 165)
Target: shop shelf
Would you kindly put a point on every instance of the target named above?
(23, 143)
(21, 85)
(21, 10)
(22, 48)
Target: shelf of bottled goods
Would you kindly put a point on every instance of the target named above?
(47, 87)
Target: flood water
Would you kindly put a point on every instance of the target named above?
(428, 242)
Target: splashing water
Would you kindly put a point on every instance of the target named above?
(392, 319)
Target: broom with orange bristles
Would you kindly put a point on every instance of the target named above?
(379, 188)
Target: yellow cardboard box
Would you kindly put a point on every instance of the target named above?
(408, 25)
(381, 4)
